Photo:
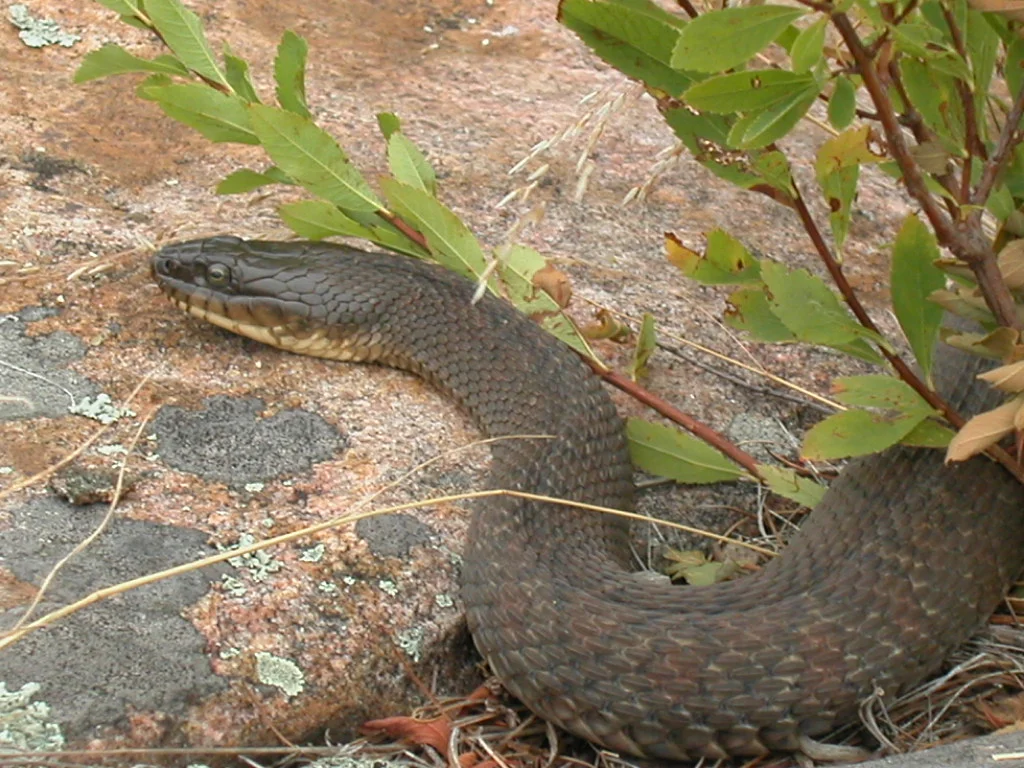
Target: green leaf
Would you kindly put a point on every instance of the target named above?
(409, 165)
(124, 7)
(809, 308)
(183, 32)
(746, 91)
(842, 105)
(857, 433)
(749, 311)
(928, 434)
(879, 391)
(762, 128)
(914, 277)
(725, 261)
(388, 123)
(918, 39)
(646, 343)
(806, 50)
(317, 219)
(290, 73)
(983, 48)
(451, 242)
(666, 452)
(517, 268)
(637, 38)
(220, 117)
(790, 485)
(246, 180)
(724, 39)
(313, 158)
(236, 70)
(114, 60)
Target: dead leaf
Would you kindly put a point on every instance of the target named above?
(984, 430)
(1011, 264)
(1000, 344)
(931, 156)
(1008, 378)
(695, 567)
(607, 326)
(432, 733)
(555, 284)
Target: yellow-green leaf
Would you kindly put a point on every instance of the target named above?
(667, 452)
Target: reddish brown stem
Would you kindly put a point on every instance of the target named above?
(404, 228)
(687, 6)
(685, 420)
(836, 272)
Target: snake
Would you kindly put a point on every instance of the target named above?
(898, 564)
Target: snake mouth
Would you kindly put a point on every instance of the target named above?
(213, 286)
(220, 292)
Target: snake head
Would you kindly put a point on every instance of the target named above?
(246, 287)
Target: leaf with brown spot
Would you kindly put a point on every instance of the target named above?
(984, 430)
(434, 733)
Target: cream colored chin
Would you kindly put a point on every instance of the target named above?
(315, 344)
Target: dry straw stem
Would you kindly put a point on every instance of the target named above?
(6, 492)
(13, 636)
(756, 370)
(81, 546)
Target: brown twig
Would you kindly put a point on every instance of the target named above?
(404, 228)
(687, 6)
(685, 420)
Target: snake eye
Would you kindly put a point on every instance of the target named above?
(218, 274)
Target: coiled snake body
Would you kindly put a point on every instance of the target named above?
(899, 563)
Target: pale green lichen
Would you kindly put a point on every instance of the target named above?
(444, 601)
(328, 587)
(253, 487)
(100, 408)
(313, 555)
(229, 653)
(349, 580)
(389, 587)
(36, 33)
(259, 564)
(23, 722)
(234, 587)
(410, 641)
(281, 673)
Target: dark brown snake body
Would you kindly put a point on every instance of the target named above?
(899, 564)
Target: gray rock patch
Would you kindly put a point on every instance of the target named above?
(229, 443)
(134, 651)
(34, 372)
(393, 535)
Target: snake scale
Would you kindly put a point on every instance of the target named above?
(902, 560)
